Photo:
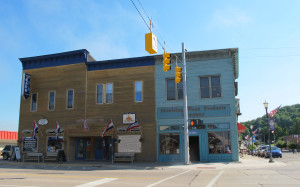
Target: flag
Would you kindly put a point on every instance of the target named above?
(57, 130)
(273, 112)
(85, 127)
(109, 126)
(35, 129)
(134, 125)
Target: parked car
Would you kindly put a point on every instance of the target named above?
(7, 151)
(275, 152)
(261, 151)
(255, 152)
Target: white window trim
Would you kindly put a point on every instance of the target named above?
(67, 96)
(136, 92)
(36, 103)
(49, 100)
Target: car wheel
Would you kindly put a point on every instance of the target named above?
(5, 157)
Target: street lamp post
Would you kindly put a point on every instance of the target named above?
(266, 107)
(251, 127)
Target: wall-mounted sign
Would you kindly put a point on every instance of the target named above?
(128, 118)
(194, 111)
(25, 85)
(43, 122)
(30, 144)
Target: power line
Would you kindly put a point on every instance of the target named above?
(162, 46)
(140, 14)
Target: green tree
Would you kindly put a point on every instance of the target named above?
(293, 146)
(296, 126)
(281, 144)
(264, 134)
(250, 147)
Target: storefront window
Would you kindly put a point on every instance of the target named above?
(169, 144)
(219, 142)
(54, 144)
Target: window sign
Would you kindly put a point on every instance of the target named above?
(30, 144)
(25, 85)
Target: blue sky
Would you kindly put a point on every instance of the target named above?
(266, 33)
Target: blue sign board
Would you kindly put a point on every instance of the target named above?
(253, 139)
(25, 85)
(194, 111)
(272, 124)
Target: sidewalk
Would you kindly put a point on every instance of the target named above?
(246, 162)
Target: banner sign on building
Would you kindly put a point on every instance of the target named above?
(272, 124)
(25, 85)
(194, 111)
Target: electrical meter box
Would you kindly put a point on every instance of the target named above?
(151, 43)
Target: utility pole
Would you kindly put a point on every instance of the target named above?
(185, 110)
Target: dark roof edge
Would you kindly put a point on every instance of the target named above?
(80, 51)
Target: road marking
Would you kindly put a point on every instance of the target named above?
(158, 182)
(214, 180)
(97, 182)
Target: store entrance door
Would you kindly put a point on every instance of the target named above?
(98, 148)
(194, 148)
(80, 149)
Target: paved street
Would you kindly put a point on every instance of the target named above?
(250, 171)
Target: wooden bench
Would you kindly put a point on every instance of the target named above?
(30, 156)
(51, 156)
(123, 157)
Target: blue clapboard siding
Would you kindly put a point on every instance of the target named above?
(195, 69)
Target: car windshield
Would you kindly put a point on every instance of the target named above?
(7, 148)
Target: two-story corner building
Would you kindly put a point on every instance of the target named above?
(211, 91)
(83, 96)
(71, 89)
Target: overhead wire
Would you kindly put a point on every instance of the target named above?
(149, 27)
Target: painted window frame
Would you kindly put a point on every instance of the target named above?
(112, 93)
(53, 101)
(138, 91)
(36, 102)
(67, 100)
(210, 87)
(176, 90)
(102, 98)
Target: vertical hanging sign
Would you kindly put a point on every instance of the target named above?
(272, 124)
(25, 85)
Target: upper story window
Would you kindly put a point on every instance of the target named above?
(70, 98)
(51, 100)
(109, 93)
(174, 91)
(33, 102)
(138, 91)
(104, 93)
(210, 87)
(99, 93)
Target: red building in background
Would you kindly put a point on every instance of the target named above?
(8, 138)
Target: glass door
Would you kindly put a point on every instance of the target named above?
(80, 149)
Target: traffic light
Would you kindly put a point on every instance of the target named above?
(166, 61)
(193, 124)
(178, 74)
